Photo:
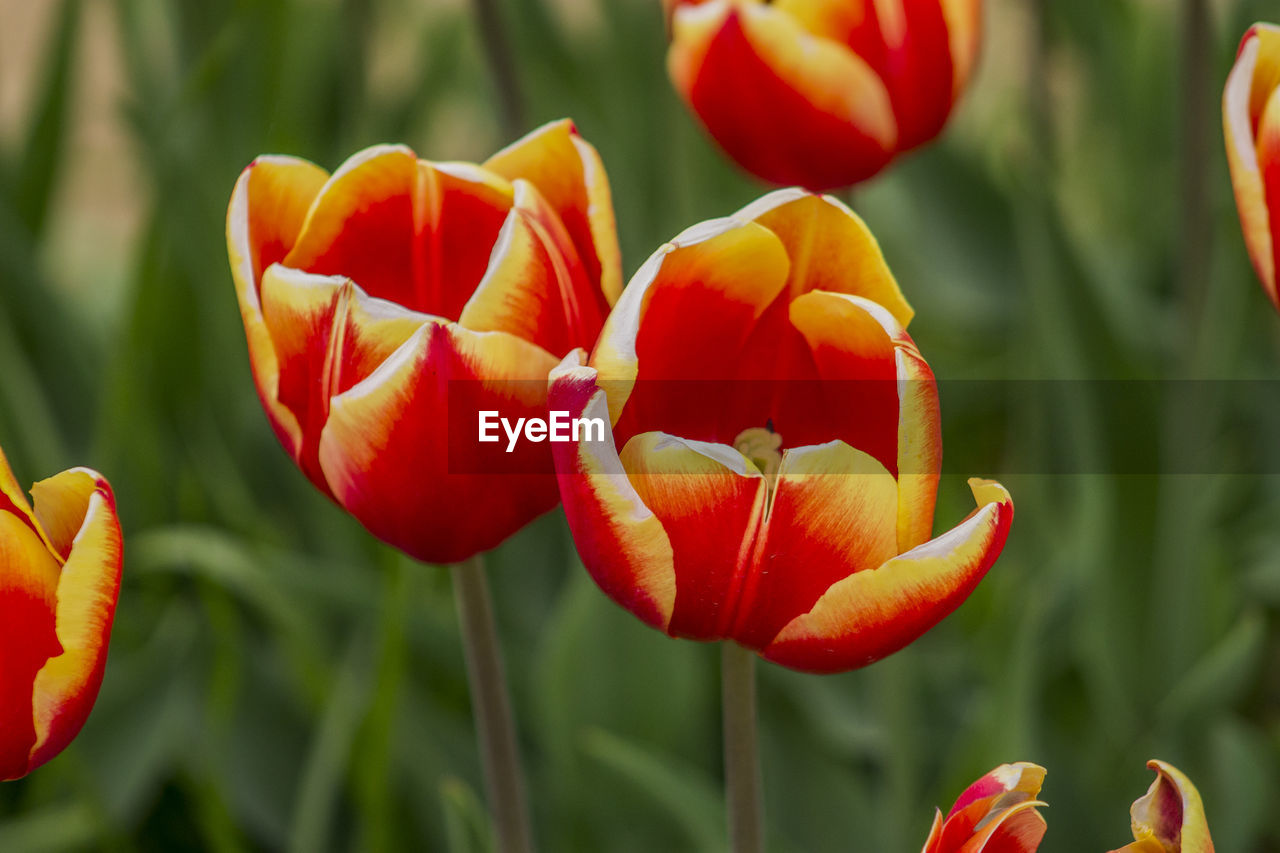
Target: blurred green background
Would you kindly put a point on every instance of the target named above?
(280, 681)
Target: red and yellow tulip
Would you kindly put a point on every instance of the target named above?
(1170, 818)
(59, 580)
(822, 93)
(780, 446)
(996, 814)
(368, 294)
(1251, 122)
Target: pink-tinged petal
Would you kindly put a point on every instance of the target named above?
(1170, 817)
(996, 814)
(535, 287)
(28, 603)
(873, 613)
(67, 686)
(400, 451)
(694, 302)
(1021, 777)
(1250, 85)
(568, 172)
(415, 233)
(833, 515)
(327, 335)
(830, 248)
(790, 107)
(268, 206)
(710, 502)
(622, 543)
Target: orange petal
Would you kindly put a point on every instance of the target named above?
(1022, 777)
(833, 514)
(1243, 103)
(535, 287)
(67, 685)
(400, 449)
(267, 209)
(1170, 817)
(830, 248)
(790, 107)
(418, 234)
(710, 501)
(28, 602)
(568, 172)
(873, 613)
(1018, 829)
(621, 541)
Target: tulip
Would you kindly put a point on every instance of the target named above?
(371, 294)
(780, 446)
(996, 814)
(1170, 818)
(59, 580)
(1251, 123)
(822, 93)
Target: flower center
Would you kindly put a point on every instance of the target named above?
(764, 448)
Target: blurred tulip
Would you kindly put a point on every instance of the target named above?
(1251, 122)
(780, 446)
(366, 293)
(59, 580)
(822, 93)
(996, 814)
(1170, 818)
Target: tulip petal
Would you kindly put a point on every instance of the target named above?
(415, 233)
(964, 26)
(1018, 829)
(699, 297)
(791, 107)
(28, 601)
(568, 172)
(67, 685)
(535, 287)
(710, 502)
(1269, 166)
(1243, 102)
(327, 335)
(1022, 777)
(400, 449)
(830, 248)
(1170, 817)
(833, 514)
(621, 541)
(873, 613)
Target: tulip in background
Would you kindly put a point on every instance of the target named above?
(1170, 818)
(772, 474)
(1251, 122)
(996, 814)
(822, 93)
(364, 293)
(59, 581)
(370, 295)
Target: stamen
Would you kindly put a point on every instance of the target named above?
(764, 448)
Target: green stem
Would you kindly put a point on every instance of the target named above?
(491, 706)
(497, 49)
(741, 752)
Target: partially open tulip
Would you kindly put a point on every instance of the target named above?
(996, 814)
(1170, 818)
(1251, 121)
(821, 93)
(374, 297)
(774, 463)
(59, 580)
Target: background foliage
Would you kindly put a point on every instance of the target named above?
(280, 681)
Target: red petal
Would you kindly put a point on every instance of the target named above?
(873, 613)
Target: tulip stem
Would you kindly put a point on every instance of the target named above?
(491, 707)
(497, 49)
(741, 751)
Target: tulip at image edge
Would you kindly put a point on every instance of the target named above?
(60, 567)
(795, 521)
(369, 294)
(821, 93)
(1251, 125)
